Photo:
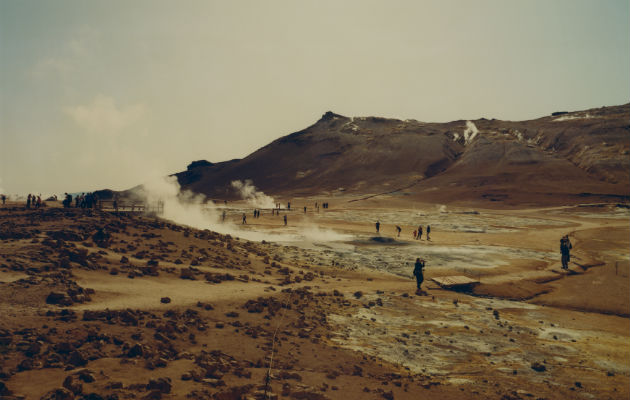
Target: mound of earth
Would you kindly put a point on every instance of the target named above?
(554, 159)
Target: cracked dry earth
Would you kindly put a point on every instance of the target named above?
(101, 306)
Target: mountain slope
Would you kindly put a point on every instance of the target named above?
(567, 154)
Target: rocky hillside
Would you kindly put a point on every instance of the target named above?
(581, 153)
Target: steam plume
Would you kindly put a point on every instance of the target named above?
(470, 133)
(187, 208)
(253, 197)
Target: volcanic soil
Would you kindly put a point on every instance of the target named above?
(99, 305)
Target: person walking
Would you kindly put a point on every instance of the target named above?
(565, 250)
(418, 272)
(398, 229)
(244, 219)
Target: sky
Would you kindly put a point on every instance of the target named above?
(110, 94)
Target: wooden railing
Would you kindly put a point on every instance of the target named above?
(131, 206)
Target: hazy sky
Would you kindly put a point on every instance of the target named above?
(105, 94)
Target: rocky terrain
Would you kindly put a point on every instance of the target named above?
(100, 305)
(557, 159)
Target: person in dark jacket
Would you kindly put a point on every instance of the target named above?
(565, 250)
(418, 272)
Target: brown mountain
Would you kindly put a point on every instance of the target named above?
(547, 160)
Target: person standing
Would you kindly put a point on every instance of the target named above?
(428, 232)
(285, 220)
(378, 226)
(419, 233)
(418, 272)
(565, 250)
(244, 219)
(398, 229)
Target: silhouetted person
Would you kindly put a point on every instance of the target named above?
(4, 199)
(378, 226)
(419, 233)
(418, 272)
(244, 219)
(565, 250)
(398, 230)
(428, 232)
(304, 209)
(67, 201)
(288, 205)
(285, 220)
(28, 201)
(223, 216)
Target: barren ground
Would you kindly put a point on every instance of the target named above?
(318, 313)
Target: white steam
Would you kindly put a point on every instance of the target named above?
(470, 133)
(253, 197)
(184, 207)
(187, 208)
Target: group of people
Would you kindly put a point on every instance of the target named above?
(417, 234)
(83, 200)
(32, 200)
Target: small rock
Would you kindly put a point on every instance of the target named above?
(538, 367)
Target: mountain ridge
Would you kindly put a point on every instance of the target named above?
(563, 155)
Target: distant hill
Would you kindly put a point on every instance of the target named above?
(546, 160)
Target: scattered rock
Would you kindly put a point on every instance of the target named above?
(538, 367)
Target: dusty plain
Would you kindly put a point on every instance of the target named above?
(323, 309)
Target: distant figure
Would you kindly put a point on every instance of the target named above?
(378, 226)
(244, 219)
(28, 201)
(67, 201)
(418, 272)
(39, 202)
(288, 205)
(4, 199)
(398, 230)
(255, 213)
(565, 250)
(415, 234)
(428, 232)
(116, 205)
(223, 216)
(419, 233)
(285, 220)
(304, 209)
